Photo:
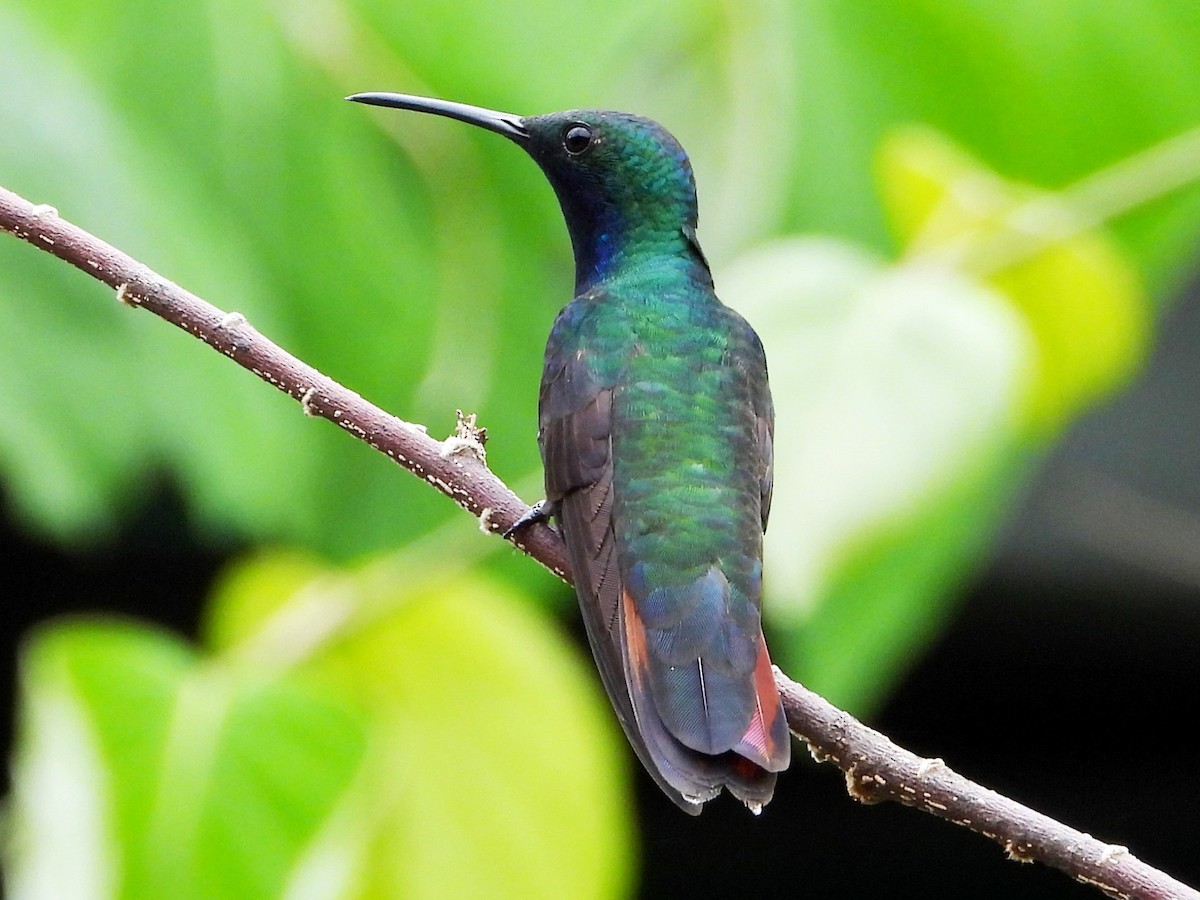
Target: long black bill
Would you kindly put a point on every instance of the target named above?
(510, 126)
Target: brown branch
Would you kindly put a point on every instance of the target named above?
(875, 768)
(455, 467)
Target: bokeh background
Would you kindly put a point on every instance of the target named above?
(248, 657)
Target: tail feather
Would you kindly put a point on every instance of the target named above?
(697, 776)
(766, 742)
(746, 748)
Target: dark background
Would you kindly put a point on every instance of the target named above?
(1068, 680)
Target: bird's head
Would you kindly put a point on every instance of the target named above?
(624, 183)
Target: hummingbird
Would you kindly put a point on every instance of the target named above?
(655, 427)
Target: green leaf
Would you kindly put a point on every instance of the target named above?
(1044, 92)
(351, 739)
(495, 767)
(889, 383)
(251, 598)
(99, 388)
(895, 587)
(190, 774)
(897, 393)
(1081, 296)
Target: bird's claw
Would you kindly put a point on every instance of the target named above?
(539, 512)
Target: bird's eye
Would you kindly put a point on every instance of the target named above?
(576, 139)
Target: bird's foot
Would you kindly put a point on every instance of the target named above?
(539, 512)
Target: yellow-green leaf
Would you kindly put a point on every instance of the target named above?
(154, 772)
(495, 766)
(1080, 295)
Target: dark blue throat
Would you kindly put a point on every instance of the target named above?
(601, 242)
(608, 242)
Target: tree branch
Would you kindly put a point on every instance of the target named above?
(875, 768)
(456, 467)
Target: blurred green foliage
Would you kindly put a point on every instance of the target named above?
(336, 736)
(963, 303)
